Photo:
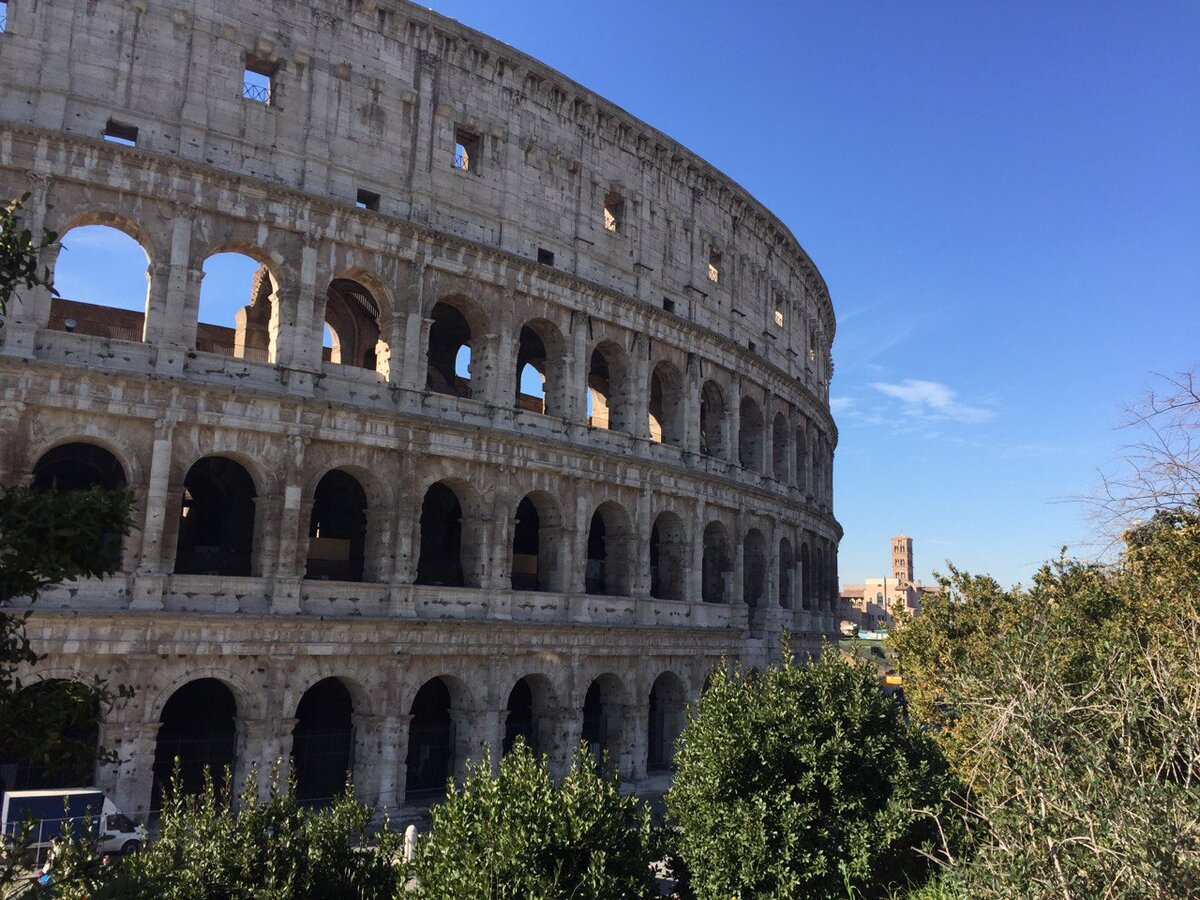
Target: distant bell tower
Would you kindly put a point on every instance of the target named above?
(902, 563)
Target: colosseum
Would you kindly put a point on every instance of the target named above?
(568, 448)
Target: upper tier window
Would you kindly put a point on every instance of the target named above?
(614, 213)
(466, 151)
(714, 266)
(3, 16)
(258, 81)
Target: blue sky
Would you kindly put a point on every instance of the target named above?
(1004, 199)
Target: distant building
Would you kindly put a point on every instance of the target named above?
(870, 605)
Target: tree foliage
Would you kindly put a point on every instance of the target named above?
(519, 835)
(804, 781)
(211, 849)
(19, 254)
(1071, 710)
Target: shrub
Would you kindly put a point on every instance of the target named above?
(266, 850)
(804, 781)
(519, 835)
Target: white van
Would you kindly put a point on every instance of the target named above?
(69, 809)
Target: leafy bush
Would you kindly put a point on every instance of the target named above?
(272, 850)
(519, 835)
(804, 781)
(1072, 712)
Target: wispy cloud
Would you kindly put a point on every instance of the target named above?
(933, 401)
(840, 404)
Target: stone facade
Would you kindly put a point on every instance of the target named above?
(421, 188)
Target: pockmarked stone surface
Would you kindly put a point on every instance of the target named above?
(372, 555)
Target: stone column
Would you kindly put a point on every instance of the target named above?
(286, 564)
(149, 582)
(640, 555)
(735, 422)
(471, 729)
(368, 751)
(569, 729)
(130, 780)
(634, 719)
(399, 732)
(694, 590)
(576, 370)
(691, 408)
(29, 309)
(416, 342)
(167, 321)
(261, 744)
(638, 388)
(739, 559)
(392, 741)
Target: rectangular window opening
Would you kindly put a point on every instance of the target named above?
(367, 200)
(614, 213)
(466, 151)
(3, 16)
(714, 266)
(779, 306)
(668, 304)
(258, 81)
(545, 257)
(120, 133)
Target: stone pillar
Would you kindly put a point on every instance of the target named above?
(767, 463)
(148, 585)
(261, 744)
(694, 590)
(735, 422)
(576, 370)
(569, 729)
(631, 755)
(739, 559)
(392, 741)
(399, 733)
(638, 388)
(583, 518)
(389, 349)
(167, 320)
(640, 552)
(286, 563)
(691, 409)
(130, 780)
(29, 309)
(471, 730)
(416, 342)
(380, 547)
(368, 751)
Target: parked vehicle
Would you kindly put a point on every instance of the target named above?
(70, 810)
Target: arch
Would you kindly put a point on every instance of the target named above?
(323, 742)
(529, 715)
(713, 421)
(116, 306)
(750, 435)
(457, 328)
(337, 528)
(602, 731)
(352, 314)
(779, 447)
(754, 568)
(71, 709)
(668, 705)
(198, 727)
(216, 519)
(449, 551)
(716, 566)
(541, 379)
(666, 405)
(80, 466)
(668, 554)
(239, 295)
(432, 739)
(609, 551)
(787, 568)
(537, 544)
(608, 399)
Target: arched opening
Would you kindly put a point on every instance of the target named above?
(779, 448)
(237, 299)
(668, 552)
(352, 317)
(712, 421)
(199, 729)
(607, 397)
(110, 307)
(451, 352)
(716, 567)
(668, 701)
(68, 710)
(540, 381)
(609, 556)
(750, 435)
(787, 567)
(602, 720)
(81, 467)
(323, 742)
(528, 715)
(216, 519)
(666, 405)
(806, 576)
(449, 553)
(754, 568)
(337, 529)
(537, 535)
(431, 742)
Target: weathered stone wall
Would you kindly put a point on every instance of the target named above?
(370, 97)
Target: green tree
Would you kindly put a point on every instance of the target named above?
(1071, 710)
(519, 835)
(804, 781)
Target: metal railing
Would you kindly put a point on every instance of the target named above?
(256, 92)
